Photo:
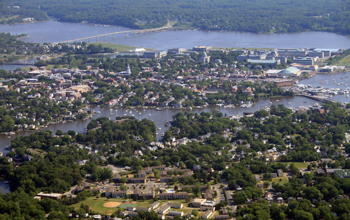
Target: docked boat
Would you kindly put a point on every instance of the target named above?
(166, 123)
(158, 128)
(158, 109)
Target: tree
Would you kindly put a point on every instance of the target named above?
(123, 180)
(7, 123)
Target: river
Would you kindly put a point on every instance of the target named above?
(53, 31)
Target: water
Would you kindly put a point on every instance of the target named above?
(53, 31)
(321, 80)
(13, 67)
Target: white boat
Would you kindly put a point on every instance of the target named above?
(149, 115)
(158, 109)
(158, 128)
(190, 108)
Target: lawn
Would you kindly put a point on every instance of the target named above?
(118, 47)
(297, 164)
(123, 206)
(345, 61)
(97, 205)
(280, 180)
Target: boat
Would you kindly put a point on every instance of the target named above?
(149, 115)
(158, 128)
(190, 108)
(321, 82)
(140, 113)
(158, 109)
(111, 113)
(166, 124)
(347, 96)
(98, 112)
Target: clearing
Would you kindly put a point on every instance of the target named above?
(344, 62)
(118, 47)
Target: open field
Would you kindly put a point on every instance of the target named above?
(118, 47)
(297, 164)
(123, 206)
(345, 61)
(97, 205)
(280, 180)
(111, 204)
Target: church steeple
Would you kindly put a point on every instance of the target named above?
(128, 71)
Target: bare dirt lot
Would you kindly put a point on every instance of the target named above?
(111, 204)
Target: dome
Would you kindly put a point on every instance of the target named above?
(204, 54)
(289, 70)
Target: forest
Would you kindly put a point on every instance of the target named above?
(251, 16)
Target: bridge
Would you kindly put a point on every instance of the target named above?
(120, 32)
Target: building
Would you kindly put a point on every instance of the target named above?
(163, 209)
(304, 60)
(168, 196)
(207, 214)
(280, 173)
(290, 71)
(318, 54)
(175, 213)
(265, 62)
(154, 205)
(175, 205)
(204, 58)
(119, 194)
(201, 48)
(142, 174)
(50, 195)
(154, 54)
(198, 202)
(218, 217)
(176, 50)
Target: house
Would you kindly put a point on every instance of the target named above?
(142, 174)
(130, 208)
(175, 205)
(109, 191)
(142, 209)
(79, 189)
(136, 180)
(163, 209)
(175, 213)
(85, 185)
(154, 205)
(257, 177)
(26, 157)
(119, 194)
(133, 214)
(116, 178)
(167, 196)
(218, 217)
(207, 214)
(198, 202)
(148, 170)
(280, 173)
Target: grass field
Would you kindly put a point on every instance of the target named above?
(123, 206)
(297, 164)
(345, 61)
(97, 205)
(280, 180)
(118, 47)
